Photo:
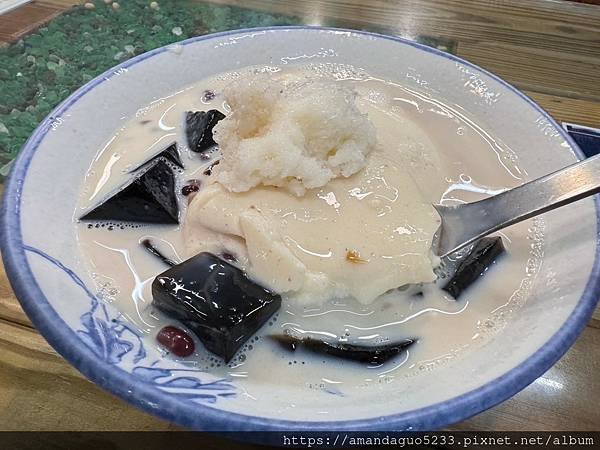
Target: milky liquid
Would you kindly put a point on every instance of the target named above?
(452, 160)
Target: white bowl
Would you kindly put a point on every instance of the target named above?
(44, 262)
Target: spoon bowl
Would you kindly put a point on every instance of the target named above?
(464, 224)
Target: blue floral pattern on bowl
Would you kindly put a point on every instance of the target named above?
(113, 340)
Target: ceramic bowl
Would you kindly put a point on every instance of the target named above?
(44, 262)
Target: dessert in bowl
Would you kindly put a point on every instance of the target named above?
(332, 147)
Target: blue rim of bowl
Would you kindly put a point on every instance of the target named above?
(203, 417)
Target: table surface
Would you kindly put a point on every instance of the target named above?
(548, 49)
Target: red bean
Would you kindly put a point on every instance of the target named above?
(176, 341)
(189, 188)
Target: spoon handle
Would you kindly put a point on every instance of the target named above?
(466, 223)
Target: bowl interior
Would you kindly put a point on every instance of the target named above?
(45, 263)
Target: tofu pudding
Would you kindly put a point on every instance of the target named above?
(307, 200)
(320, 192)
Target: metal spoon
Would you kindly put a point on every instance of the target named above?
(463, 224)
